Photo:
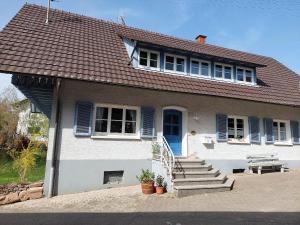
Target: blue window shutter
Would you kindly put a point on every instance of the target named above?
(83, 119)
(221, 122)
(254, 129)
(295, 132)
(268, 126)
(147, 122)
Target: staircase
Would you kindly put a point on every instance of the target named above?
(194, 176)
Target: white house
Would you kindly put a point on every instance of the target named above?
(111, 90)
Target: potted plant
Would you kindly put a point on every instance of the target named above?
(147, 181)
(160, 184)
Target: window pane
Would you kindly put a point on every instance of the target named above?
(218, 71)
(116, 127)
(230, 128)
(240, 75)
(130, 127)
(116, 114)
(248, 76)
(195, 67)
(130, 115)
(227, 72)
(275, 130)
(169, 63)
(143, 58)
(282, 132)
(180, 64)
(153, 60)
(204, 69)
(101, 126)
(175, 130)
(175, 119)
(101, 113)
(240, 128)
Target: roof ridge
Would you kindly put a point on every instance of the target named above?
(145, 30)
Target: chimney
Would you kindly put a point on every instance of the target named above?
(200, 39)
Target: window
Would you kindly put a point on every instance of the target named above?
(113, 177)
(244, 75)
(175, 63)
(116, 120)
(149, 59)
(223, 71)
(237, 128)
(280, 131)
(200, 67)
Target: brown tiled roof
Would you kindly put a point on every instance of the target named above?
(78, 47)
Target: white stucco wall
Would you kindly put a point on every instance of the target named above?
(203, 107)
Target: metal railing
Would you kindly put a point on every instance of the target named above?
(167, 157)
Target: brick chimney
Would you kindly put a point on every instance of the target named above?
(200, 39)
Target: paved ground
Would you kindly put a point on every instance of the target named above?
(267, 199)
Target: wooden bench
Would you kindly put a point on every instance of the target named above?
(262, 161)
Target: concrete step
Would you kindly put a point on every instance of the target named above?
(188, 162)
(192, 168)
(200, 181)
(198, 174)
(182, 191)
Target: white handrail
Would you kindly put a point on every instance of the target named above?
(166, 156)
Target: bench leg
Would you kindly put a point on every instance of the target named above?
(250, 170)
(282, 169)
(259, 170)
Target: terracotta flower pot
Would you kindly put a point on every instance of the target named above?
(160, 190)
(147, 188)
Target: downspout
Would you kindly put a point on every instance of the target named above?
(53, 172)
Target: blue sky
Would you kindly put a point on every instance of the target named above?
(266, 27)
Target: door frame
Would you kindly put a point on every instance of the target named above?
(184, 123)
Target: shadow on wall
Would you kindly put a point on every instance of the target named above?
(159, 218)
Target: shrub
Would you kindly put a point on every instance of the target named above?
(159, 181)
(146, 176)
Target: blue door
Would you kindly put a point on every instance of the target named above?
(172, 130)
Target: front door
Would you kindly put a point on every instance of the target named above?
(172, 130)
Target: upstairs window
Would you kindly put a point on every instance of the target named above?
(223, 71)
(175, 63)
(244, 75)
(200, 67)
(149, 59)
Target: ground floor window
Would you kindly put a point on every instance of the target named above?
(280, 131)
(237, 128)
(116, 120)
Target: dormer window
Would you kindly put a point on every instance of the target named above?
(148, 59)
(223, 71)
(244, 75)
(201, 68)
(175, 63)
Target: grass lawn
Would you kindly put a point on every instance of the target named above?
(8, 175)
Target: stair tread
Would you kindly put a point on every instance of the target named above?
(220, 177)
(194, 166)
(228, 184)
(188, 160)
(198, 172)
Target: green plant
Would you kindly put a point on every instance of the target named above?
(146, 176)
(155, 149)
(159, 181)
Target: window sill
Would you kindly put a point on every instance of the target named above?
(282, 144)
(238, 142)
(119, 137)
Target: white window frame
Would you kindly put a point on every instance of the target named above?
(175, 63)
(288, 133)
(122, 135)
(223, 72)
(246, 139)
(244, 75)
(200, 68)
(148, 67)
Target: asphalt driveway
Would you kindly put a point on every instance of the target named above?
(272, 198)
